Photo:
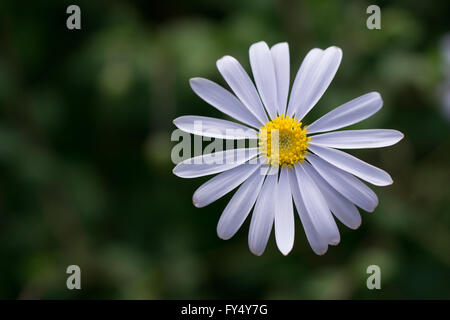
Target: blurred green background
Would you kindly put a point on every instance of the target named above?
(85, 170)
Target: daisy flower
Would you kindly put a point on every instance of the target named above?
(296, 164)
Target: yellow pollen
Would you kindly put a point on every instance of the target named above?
(283, 141)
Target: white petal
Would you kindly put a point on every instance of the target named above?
(358, 139)
(220, 185)
(316, 241)
(242, 86)
(224, 101)
(214, 128)
(239, 206)
(280, 56)
(353, 165)
(349, 113)
(264, 75)
(302, 78)
(341, 207)
(284, 214)
(346, 184)
(263, 215)
(214, 162)
(317, 81)
(317, 207)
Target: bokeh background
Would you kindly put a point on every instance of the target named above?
(85, 169)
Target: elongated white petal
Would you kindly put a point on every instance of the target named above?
(321, 79)
(304, 75)
(224, 101)
(346, 184)
(341, 207)
(349, 113)
(264, 75)
(220, 185)
(239, 206)
(280, 56)
(241, 84)
(317, 81)
(353, 165)
(214, 162)
(317, 207)
(214, 128)
(284, 214)
(263, 216)
(317, 242)
(357, 139)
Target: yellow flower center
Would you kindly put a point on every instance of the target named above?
(283, 141)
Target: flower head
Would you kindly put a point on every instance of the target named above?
(283, 141)
(293, 163)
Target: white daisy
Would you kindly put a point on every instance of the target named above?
(320, 179)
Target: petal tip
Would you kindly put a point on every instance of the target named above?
(256, 252)
(176, 171)
(376, 93)
(224, 59)
(259, 43)
(320, 252)
(355, 225)
(285, 251)
(335, 241)
(388, 182)
(194, 80)
(196, 202)
(175, 121)
(337, 48)
(221, 236)
(195, 84)
(221, 233)
(280, 44)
